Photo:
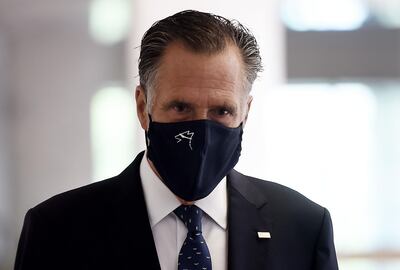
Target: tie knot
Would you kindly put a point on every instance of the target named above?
(191, 216)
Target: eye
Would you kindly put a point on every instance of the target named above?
(180, 107)
(223, 112)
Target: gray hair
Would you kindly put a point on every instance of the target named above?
(200, 32)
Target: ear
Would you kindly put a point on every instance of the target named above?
(141, 107)
(249, 101)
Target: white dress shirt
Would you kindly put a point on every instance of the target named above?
(169, 232)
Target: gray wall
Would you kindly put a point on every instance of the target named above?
(6, 189)
(49, 70)
(368, 53)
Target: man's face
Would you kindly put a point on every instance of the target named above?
(193, 86)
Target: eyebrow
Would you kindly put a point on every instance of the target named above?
(177, 102)
(181, 102)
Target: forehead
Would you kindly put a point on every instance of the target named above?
(182, 68)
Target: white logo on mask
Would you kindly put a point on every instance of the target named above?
(185, 135)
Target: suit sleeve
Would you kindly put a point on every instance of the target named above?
(30, 243)
(325, 254)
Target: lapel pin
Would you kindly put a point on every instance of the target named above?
(264, 235)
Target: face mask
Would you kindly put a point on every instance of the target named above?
(192, 157)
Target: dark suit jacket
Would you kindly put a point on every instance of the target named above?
(105, 226)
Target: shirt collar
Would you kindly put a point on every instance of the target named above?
(215, 204)
(161, 201)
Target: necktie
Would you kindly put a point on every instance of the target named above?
(194, 254)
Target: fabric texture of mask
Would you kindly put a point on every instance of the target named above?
(192, 157)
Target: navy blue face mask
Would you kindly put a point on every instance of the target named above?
(192, 157)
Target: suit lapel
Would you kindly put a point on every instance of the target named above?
(247, 215)
(131, 235)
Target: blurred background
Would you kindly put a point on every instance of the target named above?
(324, 121)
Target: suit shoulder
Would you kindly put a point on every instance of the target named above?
(92, 198)
(278, 194)
(85, 198)
(289, 208)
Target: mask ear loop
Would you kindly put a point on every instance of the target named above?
(146, 135)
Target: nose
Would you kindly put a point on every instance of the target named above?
(200, 114)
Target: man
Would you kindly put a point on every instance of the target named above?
(180, 205)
